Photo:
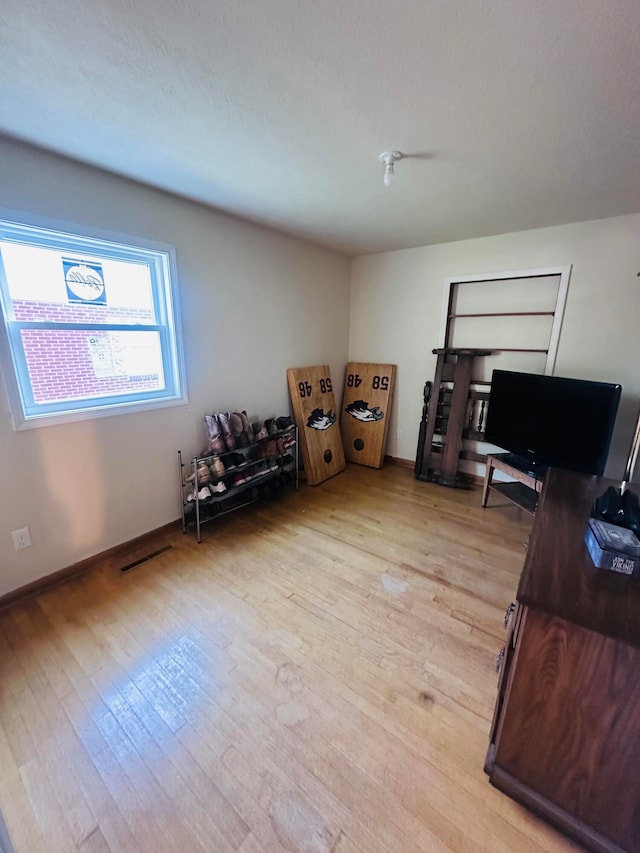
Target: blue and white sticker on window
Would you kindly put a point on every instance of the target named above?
(85, 282)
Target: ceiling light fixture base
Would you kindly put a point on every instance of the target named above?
(389, 158)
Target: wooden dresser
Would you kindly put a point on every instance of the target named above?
(565, 739)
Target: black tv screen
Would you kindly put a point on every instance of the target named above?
(551, 420)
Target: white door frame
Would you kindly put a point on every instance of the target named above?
(554, 338)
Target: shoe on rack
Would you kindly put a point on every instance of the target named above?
(203, 494)
(215, 441)
(284, 422)
(233, 460)
(259, 468)
(246, 425)
(256, 452)
(271, 448)
(271, 426)
(237, 428)
(288, 440)
(227, 434)
(201, 475)
(260, 431)
(218, 489)
(217, 467)
(239, 479)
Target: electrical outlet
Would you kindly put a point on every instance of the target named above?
(399, 434)
(21, 538)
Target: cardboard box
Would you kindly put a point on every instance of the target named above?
(612, 547)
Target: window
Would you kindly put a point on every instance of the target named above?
(91, 325)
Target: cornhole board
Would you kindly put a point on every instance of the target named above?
(366, 407)
(314, 410)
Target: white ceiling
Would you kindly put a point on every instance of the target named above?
(518, 113)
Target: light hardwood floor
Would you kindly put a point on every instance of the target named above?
(316, 676)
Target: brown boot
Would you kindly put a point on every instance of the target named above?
(260, 431)
(246, 425)
(213, 430)
(237, 428)
(270, 426)
(227, 433)
(271, 448)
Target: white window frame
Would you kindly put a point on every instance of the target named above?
(68, 237)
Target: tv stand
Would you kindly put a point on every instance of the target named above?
(527, 481)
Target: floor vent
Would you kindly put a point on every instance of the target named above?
(146, 558)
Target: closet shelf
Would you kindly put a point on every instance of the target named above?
(505, 314)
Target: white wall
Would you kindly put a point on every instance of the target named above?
(253, 302)
(397, 311)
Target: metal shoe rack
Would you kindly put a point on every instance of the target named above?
(264, 475)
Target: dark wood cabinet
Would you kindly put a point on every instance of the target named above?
(565, 740)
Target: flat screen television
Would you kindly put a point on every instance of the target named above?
(551, 420)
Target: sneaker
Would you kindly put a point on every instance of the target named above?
(214, 434)
(233, 460)
(237, 428)
(201, 476)
(217, 467)
(239, 479)
(259, 468)
(284, 422)
(218, 489)
(203, 494)
(227, 434)
(288, 441)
